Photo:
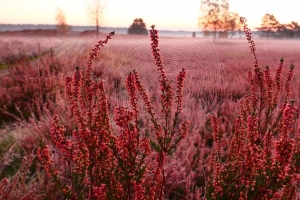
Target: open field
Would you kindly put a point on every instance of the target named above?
(33, 89)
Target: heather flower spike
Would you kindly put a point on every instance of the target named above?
(85, 155)
(263, 160)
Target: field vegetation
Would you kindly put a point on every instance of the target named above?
(139, 117)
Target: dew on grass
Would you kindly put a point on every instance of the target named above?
(204, 88)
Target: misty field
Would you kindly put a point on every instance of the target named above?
(181, 118)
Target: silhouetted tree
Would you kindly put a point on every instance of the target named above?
(295, 27)
(284, 31)
(138, 27)
(206, 33)
(212, 14)
(217, 17)
(95, 13)
(61, 20)
(231, 23)
(269, 25)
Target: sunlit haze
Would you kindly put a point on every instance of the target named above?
(165, 14)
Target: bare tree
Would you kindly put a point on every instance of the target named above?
(216, 16)
(95, 13)
(61, 20)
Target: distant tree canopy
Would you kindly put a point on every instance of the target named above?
(217, 17)
(138, 27)
(271, 28)
(269, 24)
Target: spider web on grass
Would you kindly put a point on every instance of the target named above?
(204, 89)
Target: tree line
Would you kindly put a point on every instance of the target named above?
(217, 21)
(272, 28)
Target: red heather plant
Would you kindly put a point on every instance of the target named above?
(263, 160)
(88, 162)
(96, 162)
(29, 89)
(167, 137)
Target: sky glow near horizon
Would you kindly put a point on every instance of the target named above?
(165, 14)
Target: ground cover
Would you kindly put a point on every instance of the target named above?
(33, 91)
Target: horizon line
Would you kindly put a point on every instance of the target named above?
(182, 30)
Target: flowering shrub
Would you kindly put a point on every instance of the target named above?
(263, 159)
(104, 158)
(99, 163)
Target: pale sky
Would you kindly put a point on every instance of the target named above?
(165, 14)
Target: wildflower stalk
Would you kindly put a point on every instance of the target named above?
(166, 138)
